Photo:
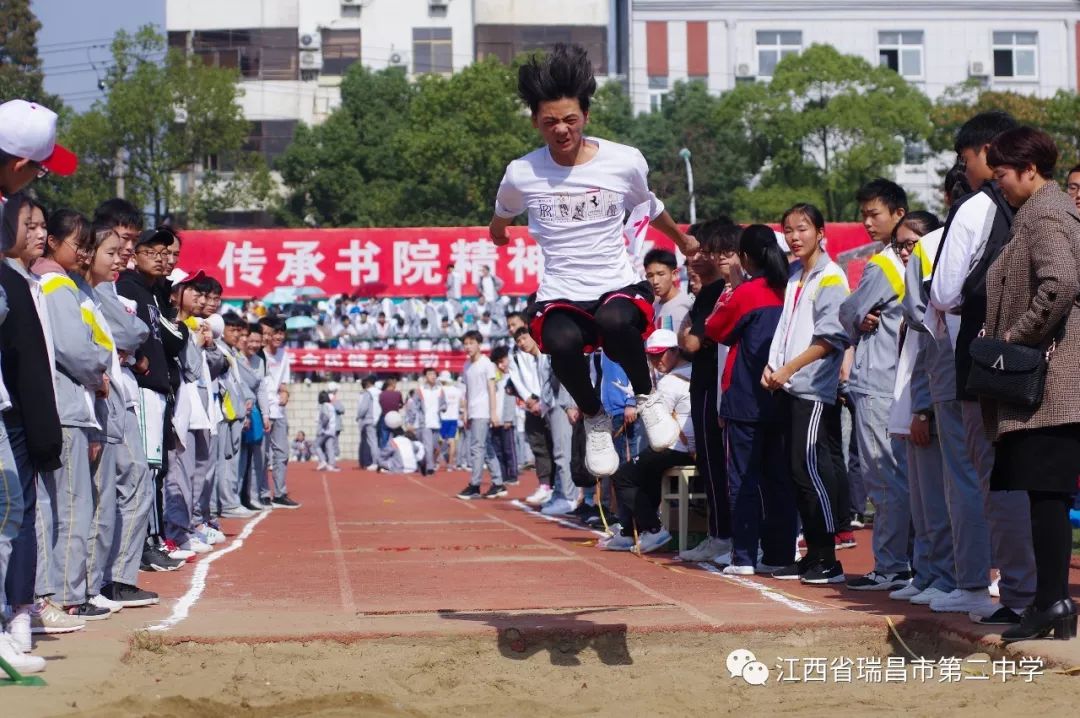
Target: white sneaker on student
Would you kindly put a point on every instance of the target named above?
(321, 466)
(600, 456)
(196, 545)
(21, 662)
(650, 541)
(19, 629)
(660, 426)
(905, 593)
(618, 542)
(738, 570)
(924, 598)
(102, 602)
(963, 600)
(215, 536)
(541, 496)
(707, 550)
(994, 590)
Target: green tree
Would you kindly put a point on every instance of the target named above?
(157, 125)
(20, 66)
(823, 125)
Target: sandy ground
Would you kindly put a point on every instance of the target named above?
(540, 675)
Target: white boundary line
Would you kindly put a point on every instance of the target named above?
(198, 577)
(554, 519)
(761, 588)
(347, 601)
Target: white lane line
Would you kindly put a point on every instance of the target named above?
(761, 588)
(554, 519)
(347, 602)
(198, 577)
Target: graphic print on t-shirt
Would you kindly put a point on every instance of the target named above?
(584, 207)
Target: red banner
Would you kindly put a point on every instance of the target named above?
(363, 361)
(407, 262)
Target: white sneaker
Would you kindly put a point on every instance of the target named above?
(215, 536)
(618, 542)
(905, 593)
(652, 540)
(320, 467)
(19, 629)
(600, 456)
(707, 550)
(196, 545)
(21, 662)
(660, 426)
(994, 590)
(372, 467)
(178, 553)
(541, 496)
(924, 598)
(963, 601)
(239, 512)
(733, 570)
(102, 602)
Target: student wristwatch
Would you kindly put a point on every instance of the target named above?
(924, 416)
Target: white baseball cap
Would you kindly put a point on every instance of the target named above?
(660, 341)
(28, 131)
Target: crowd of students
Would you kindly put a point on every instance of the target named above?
(755, 374)
(136, 415)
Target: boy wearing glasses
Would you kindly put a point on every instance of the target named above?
(872, 316)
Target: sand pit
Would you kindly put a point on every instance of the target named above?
(519, 674)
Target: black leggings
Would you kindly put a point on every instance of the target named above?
(617, 325)
(1051, 537)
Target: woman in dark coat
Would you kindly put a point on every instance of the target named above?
(1031, 291)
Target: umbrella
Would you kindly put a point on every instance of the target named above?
(300, 323)
(281, 295)
(310, 293)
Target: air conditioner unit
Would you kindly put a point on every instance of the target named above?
(311, 40)
(310, 60)
(438, 4)
(978, 68)
(397, 59)
(351, 3)
(743, 70)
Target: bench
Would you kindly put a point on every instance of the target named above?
(675, 485)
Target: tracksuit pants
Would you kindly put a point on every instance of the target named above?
(856, 489)
(932, 557)
(1009, 517)
(180, 494)
(204, 480)
(227, 488)
(134, 503)
(562, 447)
(481, 451)
(278, 444)
(369, 445)
(252, 472)
(813, 429)
(12, 511)
(503, 442)
(103, 523)
(21, 567)
(884, 473)
(760, 493)
(710, 460)
(638, 488)
(430, 439)
(538, 435)
(65, 510)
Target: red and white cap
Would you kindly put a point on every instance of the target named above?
(660, 341)
(28, 131)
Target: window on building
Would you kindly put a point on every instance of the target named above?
(432, 50)
(508, 41)
(773, 46)
(270, 138)
(902, 52)
(1015, 54)
(340, 49)
(258, 54)
(658, 89)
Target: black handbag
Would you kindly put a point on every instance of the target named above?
(1009, 373)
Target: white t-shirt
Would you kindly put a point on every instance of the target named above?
(452, 394)
(431, 405)
(670, 314)
(277, 375)
(576, 216)
(477, 374)
(674, 389)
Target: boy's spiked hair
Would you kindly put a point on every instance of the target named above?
(563, 72)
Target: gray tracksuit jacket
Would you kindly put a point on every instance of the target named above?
(881, 288)
(110, 411)
(365, 409)
(80, 360)
(815, 315)
(935, 356)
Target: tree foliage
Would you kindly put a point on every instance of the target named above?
(156, 126)
(20, 66)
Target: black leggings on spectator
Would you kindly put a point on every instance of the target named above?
(1051, 537)
(618, 325)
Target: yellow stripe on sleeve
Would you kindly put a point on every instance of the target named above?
(51, 284)
(896, 279)
(101, 337)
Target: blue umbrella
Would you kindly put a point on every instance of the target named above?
(281, 295)
(300, 323)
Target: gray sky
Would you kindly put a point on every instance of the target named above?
(74, 38)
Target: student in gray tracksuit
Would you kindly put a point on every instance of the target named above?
(883, 459)
(65, 503)
(134, 482)
(365, 419)
(556, 404)
(935, 479)
(234, 405)
(326, 433)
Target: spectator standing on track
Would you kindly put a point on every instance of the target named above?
(480, 408)
(390, 399)
(670, 303)
(504, 418)
(433, 402)
(277, 397)
(366, 419)
(450, 418)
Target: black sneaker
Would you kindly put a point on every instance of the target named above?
(88, 612)
(470, 492)
(127, 595)
(792, 572)
(821, 574)
(154, 559)
(284, 502)
(495, 491)
(858, 521)
(875, 581)
(1004, 616)
(595, 520)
